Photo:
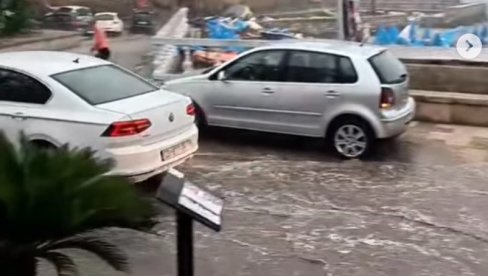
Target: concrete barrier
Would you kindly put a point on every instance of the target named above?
(467, 79)
(165, 56)
(451, 108)
(54, 41)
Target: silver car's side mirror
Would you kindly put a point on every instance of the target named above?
(221, 76)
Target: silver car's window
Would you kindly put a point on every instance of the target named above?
(103, 84)
(389, 69)
(17, 87)
(260, 66)
(312, 67)
(65, 9)
(83, 12)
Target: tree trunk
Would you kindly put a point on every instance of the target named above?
(24, 267)
(373, 6)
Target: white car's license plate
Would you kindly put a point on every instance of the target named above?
(175, 151)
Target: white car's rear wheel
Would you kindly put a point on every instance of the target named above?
(43, 145)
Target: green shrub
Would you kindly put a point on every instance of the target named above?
(51, 200)
(14, 17)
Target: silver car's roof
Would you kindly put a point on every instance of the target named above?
(342, 48)
(46, 63)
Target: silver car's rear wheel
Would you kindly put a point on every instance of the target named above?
(200, 120)
(351, 140)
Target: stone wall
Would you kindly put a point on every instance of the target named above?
(465, 79)
(402, 5)
(325, 26)
(466, 14)
(451, 108)
(410, 5)
(315, 26)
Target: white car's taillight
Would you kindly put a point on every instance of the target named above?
(190, 110)
(127, 128)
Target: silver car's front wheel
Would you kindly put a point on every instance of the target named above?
(351, 140)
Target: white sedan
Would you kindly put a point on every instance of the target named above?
(110, 22)
(58, 98)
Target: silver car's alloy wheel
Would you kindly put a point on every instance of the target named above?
(351, 141)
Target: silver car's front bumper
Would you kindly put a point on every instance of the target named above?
(395, 122)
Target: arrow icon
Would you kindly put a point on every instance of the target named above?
(470, 45)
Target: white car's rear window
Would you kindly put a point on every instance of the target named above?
(103, 84)
(104, 17)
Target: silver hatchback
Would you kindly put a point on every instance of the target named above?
(348, 93)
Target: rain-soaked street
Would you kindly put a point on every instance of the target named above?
(417, 207)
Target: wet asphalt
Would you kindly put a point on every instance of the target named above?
(417, 206)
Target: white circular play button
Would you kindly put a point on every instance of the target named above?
(469, 46)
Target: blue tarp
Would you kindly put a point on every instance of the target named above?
(418, 38)
(221, 28)
(224, 28)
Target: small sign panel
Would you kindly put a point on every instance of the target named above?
(202, 203)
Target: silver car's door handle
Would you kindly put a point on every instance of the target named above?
(332, 94)
(268, 91)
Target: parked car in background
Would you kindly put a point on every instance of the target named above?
(81, 13)
(347, 93)
(61, 21)
(58, 98)
(143, 22)
(110, 22)
(81, 16)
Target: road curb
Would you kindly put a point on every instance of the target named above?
(53, 43)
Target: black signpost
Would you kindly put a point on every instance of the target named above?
(191, 203)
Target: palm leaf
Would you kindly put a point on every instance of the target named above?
(64, 264)
(61, 194)
(106, 251)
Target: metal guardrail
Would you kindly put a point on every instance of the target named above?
(402, 52)
(165, 53)
(246, 43)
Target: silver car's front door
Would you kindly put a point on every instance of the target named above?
(242, 95)
(313, 83)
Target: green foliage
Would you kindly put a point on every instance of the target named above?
(14, 17)
(52, 200)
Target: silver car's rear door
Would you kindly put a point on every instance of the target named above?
(313, 83)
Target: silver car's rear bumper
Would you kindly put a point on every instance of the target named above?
(395, 122)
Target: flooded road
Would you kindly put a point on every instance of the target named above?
(416, 207)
